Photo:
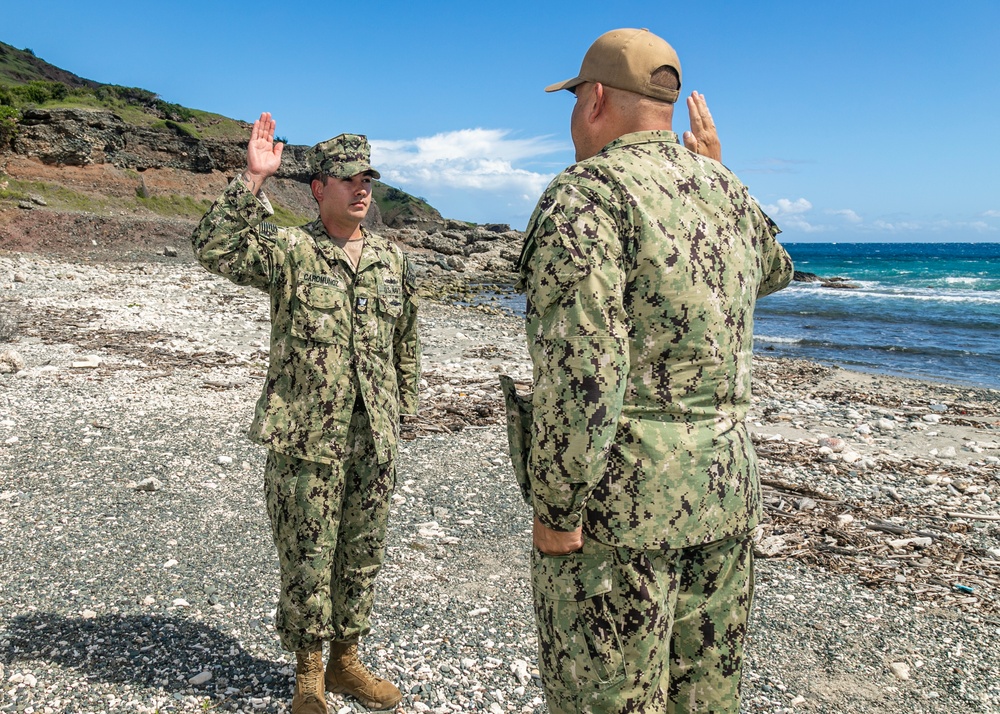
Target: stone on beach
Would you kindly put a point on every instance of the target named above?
(834, 444)
(87, 362)
(11, 362)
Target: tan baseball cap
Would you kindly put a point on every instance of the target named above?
(342, 156)
(626, 59)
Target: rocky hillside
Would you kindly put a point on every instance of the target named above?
(102, 172)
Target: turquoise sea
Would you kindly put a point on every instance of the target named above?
(924, 310)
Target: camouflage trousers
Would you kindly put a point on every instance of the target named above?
(329, 523)
(643, 631)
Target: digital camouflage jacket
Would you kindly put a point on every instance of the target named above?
(335, 333)
(641, 267)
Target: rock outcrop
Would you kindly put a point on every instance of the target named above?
(80, 137)
(835, 282)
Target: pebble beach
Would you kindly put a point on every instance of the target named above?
(137, 572)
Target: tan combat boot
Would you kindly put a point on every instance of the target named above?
(345, 674)
(309, 695)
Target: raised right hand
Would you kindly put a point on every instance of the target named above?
(703, 138)
(263, 154)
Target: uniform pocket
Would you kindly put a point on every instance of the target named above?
(579, 644)
(390, 295)
(555, 262)
(391, 307)
(519, 426)
(321, 313)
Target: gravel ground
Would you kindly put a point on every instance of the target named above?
(137, 572)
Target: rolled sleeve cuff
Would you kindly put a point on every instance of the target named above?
(558, 519)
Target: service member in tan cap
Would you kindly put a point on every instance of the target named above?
(344, 364)
(641, 264)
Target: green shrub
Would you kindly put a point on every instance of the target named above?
(173, 112)
(181, 129)
(35, 92)
(136, 97)
(39, 92)
(129, 95)
(9, 116)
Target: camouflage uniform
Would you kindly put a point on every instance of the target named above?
(344, 363)
(641, 266)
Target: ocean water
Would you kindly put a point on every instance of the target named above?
(924, 310)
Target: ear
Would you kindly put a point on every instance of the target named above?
(317, 189)
(598, 103)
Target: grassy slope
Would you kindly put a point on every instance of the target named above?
(20, 67)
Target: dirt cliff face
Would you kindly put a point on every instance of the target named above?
(114, 225)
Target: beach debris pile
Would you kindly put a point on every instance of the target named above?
(896, 486)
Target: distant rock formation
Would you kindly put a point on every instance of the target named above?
(837, 283)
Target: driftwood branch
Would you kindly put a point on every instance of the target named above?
(974, 516)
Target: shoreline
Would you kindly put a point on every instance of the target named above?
(138, 561)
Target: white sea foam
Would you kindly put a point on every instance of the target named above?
(978, 298)
(877, 291)
(778, 340)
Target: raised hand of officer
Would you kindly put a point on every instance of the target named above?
(703, 138)
(263, 154)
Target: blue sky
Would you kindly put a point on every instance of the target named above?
(849, 121)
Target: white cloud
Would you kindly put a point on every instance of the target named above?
(899, 226)
(847, 214)
(785, 207)
(790, 215)
(475, 169)
(464, 145)
(933, 226)
(796, 216)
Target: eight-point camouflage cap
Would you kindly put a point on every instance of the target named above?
(342, 156)
(626, 59)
